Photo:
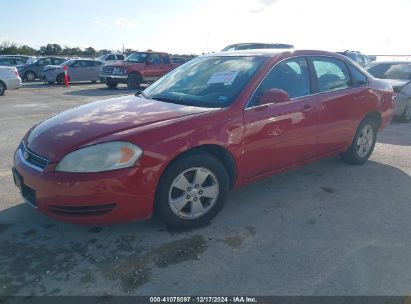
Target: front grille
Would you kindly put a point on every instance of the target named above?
(82, 210)
(33, 159)
(108, 70)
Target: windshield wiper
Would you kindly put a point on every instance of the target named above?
(141, 92)
(170, 100)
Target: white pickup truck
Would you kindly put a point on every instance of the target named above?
(9, 79)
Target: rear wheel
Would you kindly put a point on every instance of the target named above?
(133, 81)
(406, 115)
(192, 191)
(2, 88)
(362, 144)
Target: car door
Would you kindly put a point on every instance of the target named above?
(95, 68)
(154, 68)
(76, 70)
(341, 99)
(278, 135)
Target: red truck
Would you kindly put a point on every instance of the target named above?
(139, 67)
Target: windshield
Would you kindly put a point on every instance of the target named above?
(206, 81)
(137, 58)
(32, 60)
(390, 70)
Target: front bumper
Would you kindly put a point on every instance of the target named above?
(118, 78)
(85, 198)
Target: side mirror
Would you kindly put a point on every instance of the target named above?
(148, 62)
(274, 96)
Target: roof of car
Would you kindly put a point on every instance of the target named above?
(390, 62)
(274, 52)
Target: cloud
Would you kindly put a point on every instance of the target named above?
(261, 5)
(268, 2)
(123, 22)
(99, 23)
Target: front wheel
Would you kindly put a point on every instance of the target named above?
(133, 81)
(362, 144)
(30, 76)
(111, 84)
(192, 191)
(2, 88)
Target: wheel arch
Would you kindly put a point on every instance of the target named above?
(5, 85)
(136, 73)
(219, 152)
(374, 115)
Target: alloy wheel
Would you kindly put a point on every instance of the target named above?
(365, 141)
(193, 193)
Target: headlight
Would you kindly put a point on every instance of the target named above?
(119, 71)
(101, 157)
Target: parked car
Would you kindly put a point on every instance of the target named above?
(32, 69)
(77, 70)
(178, 60)
(357, 57)
(9, 79)
(253, 46)
(398, 74)
(137, 68)
(11, 61)
(217, 122)
(111, 57)
(23, 57)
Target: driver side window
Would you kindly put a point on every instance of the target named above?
(290, 75)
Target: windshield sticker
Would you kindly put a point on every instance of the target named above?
(223, 77)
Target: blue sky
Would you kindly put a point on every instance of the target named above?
(196, 26)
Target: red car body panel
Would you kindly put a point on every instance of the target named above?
(261, 140)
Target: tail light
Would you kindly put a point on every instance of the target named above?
(16, 72)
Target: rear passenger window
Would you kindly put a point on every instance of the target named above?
(120, 57)
(111, 57)
(332, 74)
(358, 78)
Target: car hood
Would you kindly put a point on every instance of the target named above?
(397, 84)
(85, 125)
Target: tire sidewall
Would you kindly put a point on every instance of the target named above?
(162, 207)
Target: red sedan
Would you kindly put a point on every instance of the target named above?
(217, 122)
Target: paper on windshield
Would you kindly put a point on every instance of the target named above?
(223, 77)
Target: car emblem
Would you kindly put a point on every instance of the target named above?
(26, 155)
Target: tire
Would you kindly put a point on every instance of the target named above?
(60, 79)
(181, 174)
(50, 82)
(2, 88)
(363, 143)
(30, 76)
(112, 84)
(405, 116)
(133, 81)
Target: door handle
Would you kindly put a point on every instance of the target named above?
(307, 108)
